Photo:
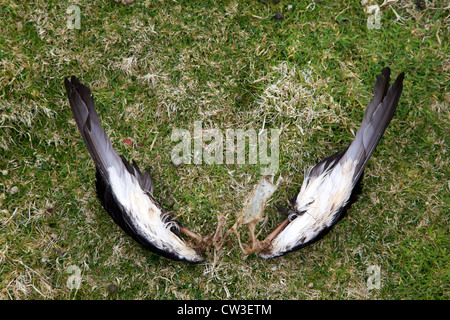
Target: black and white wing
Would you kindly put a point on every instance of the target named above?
(124, 191)
(328, 186)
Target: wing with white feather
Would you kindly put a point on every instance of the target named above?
(124, 191)
(327, 188)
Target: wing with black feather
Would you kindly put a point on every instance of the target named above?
(327, 188)
(124, 191)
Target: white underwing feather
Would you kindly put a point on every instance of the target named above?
(146, 216)
(334, 187)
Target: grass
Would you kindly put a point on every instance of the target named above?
(154, 66)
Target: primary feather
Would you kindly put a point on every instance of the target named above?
(124, 191)
(328, 186)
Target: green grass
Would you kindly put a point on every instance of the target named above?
(154, 66)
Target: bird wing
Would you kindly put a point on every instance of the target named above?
(329, 184)
(124, 191)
